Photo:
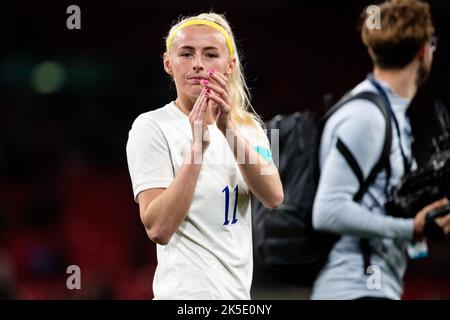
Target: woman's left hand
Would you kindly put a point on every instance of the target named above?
(219, 101)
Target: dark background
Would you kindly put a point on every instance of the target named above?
(69, 97)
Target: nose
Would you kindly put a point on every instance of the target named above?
(198, 63)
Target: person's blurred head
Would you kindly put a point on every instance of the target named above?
(405, 37)
(198, 44)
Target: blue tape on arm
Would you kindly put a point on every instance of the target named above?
(265, 153)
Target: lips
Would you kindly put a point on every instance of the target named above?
(198, 78)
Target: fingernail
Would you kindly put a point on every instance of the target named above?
(205, 81)
(212, 71)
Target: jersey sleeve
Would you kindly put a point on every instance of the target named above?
(148, 157)
(258, 139)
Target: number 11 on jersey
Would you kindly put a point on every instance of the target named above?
(227, 204)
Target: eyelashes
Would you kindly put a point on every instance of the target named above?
(210, 55)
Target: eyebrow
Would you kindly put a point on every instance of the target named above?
(192, 48)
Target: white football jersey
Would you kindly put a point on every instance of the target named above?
(210, 255)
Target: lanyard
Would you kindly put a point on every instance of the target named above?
(377, 85)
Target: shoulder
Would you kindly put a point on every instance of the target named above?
(362, 114)
(359, 124)
(154, 116)
(362, 111)
(147, 132)
(153, 119)
(254, 132)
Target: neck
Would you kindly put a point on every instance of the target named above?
(402, 82)
(185, 103)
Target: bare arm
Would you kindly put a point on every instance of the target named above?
(261, 176)
(163, 210)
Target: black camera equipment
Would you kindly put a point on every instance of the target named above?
(428, 183)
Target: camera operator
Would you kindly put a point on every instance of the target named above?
(402, 53)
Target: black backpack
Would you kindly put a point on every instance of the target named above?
(286, 245)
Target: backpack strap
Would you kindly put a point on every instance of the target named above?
(382, 163)
(348, 156)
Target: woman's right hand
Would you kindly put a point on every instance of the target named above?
(200, 133)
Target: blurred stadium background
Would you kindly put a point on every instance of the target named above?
(69, 97)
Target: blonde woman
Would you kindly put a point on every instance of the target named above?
(195, 163)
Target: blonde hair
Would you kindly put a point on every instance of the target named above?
(242, 112)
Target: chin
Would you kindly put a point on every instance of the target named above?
(195, 92)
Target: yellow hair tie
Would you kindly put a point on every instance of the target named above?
(203, 22)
